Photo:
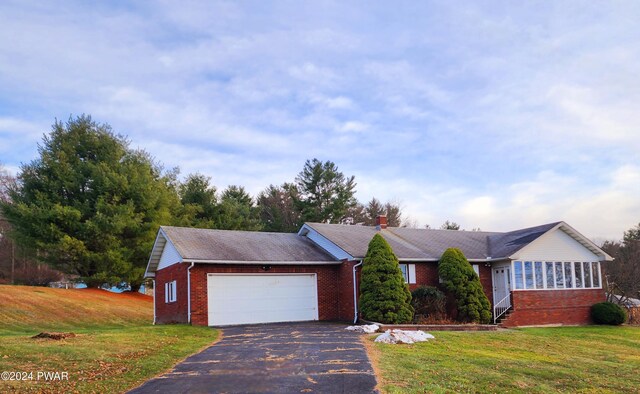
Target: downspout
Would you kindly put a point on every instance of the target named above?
(153, 281)
(189, 291)
(355, 294)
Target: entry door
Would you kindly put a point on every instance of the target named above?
(261, 298)
(501, 282)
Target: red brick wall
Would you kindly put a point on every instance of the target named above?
(335, 288)
(346, 310)
(328, 286)
(427, 275)
(540, 307)
(487, 281)
(173, 312)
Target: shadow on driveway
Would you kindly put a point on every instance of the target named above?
(274, 358)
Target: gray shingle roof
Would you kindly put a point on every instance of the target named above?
(428, 244)
(506, 244)
(223, 245)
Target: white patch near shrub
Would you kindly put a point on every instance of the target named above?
(402, 336)
(367, 329)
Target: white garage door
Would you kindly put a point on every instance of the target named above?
(261, 298)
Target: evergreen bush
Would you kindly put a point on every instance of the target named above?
(384, 296)
(429, 302)
(608, 313)
(460, 279)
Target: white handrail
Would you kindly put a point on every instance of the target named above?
(501, 307)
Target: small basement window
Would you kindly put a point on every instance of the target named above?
(170, 293)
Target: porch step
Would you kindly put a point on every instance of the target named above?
(504, 318)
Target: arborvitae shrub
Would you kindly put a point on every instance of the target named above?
(384, 296)
(608, 313)
(429, 302)
(460, 279)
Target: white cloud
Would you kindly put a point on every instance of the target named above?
(353, 126)
(498, 117)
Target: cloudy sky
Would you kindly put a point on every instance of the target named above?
(496, 115)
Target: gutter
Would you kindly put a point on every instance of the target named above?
(189, 291)
(154, 300)
(355, 294)
(262, 262)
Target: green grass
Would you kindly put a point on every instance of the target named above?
(116, 347)
(533, 360)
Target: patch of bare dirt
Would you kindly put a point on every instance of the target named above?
(54, 335)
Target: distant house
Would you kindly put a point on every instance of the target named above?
(549, 274)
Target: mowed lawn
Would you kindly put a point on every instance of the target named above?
(590, 359)
(116, 347)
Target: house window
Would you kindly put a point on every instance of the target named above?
(476, 269)
(517, 271)
(595, 271)
(587, 274)
(577, 270)
(541, 275)
(409, 273)
(559, 276)
(568, 274)
(528, 274)
(170, 293)
(549, 272)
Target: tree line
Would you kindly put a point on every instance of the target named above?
(90, 205)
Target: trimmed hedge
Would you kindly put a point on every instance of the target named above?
(384, 297)
(459, 278)
(608, 313)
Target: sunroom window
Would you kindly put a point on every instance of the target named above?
(550, 275)
(539, 275)
(528, 274)
(595, 271)
(517, 272)
(568, 274)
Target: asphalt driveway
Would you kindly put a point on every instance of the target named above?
(274, 358)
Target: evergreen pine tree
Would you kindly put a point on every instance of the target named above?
(384, 296)
(460, 279)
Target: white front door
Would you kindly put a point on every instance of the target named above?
(501, 282)
(261, 298)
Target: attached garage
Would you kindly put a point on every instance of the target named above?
(261, 298)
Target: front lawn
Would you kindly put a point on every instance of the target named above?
(532, 360)
(104, 360)
(115, 348)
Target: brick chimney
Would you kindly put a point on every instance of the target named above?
(381, 222)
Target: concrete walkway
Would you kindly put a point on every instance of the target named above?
(274, 358)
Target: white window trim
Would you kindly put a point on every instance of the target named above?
(170, 292)
(564, 281)
(410, 269)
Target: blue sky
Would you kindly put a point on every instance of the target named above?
(496, 115)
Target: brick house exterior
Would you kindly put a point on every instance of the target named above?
(548, 274)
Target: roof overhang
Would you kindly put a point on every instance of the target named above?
(261, 262)
(156, 253)
(418, 260)
(325, 243)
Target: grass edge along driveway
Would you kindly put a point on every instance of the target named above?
(100, 359)
(533, 360)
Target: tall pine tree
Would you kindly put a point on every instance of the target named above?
(89, 205)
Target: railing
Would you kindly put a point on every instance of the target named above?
(501, 307)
